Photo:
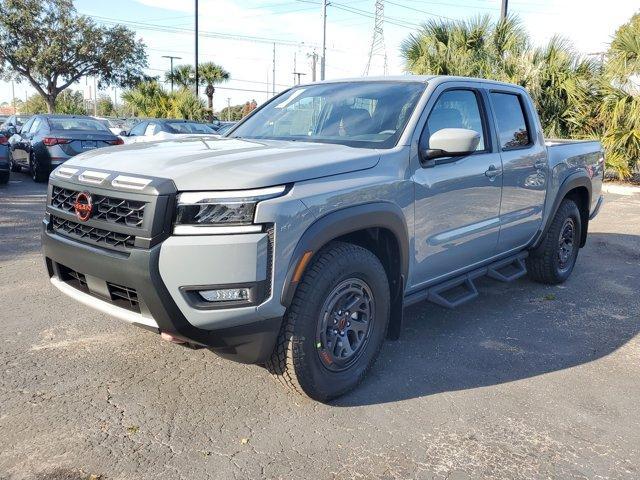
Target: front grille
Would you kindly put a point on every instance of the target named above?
(99, 236)
(124, 297)
(109, 209)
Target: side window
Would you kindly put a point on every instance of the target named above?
(27, 125)
(510, 120)
(457, 109)
(150, 130)
(35, 126)
(138, 129)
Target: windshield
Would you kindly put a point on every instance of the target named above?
(88, 124)
(190, 127)
(358, 114)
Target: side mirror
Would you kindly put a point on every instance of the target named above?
(12, 130)
(450, 142)
(123, 133)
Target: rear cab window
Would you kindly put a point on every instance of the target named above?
(511, 120)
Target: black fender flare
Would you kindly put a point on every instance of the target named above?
(575, 180)
(341, 222)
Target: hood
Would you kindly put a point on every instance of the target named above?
(209, 163)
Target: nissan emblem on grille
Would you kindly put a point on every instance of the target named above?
(83, 206)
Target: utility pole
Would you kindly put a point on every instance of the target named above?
(13, 96)
(324, 39)
(95, 98)
(171, 58)
(503, 10)
(197, 77)
(228, 109)
(273, 76)
(314, 61)
(115, 100)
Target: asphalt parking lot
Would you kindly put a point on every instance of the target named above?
(527, 381)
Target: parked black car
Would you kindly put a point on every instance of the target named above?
(46, 141)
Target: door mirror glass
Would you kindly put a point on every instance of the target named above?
(452, 142)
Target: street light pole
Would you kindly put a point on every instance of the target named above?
(503, 10)
(324, 39)
(197, 77)
(171, 58)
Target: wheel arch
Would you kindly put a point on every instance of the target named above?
(379, 227)
(578, 188)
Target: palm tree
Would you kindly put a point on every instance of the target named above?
(148, 99)
(182, 75)
(619, 108)
(211, 74)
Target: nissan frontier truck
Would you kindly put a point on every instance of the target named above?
(296, 240)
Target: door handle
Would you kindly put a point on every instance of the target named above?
(492, 172)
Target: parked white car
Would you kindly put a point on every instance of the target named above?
(160, 129)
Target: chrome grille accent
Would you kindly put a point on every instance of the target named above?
(97, 235)
(108, 209)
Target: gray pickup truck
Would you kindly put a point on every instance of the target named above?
(296, 241)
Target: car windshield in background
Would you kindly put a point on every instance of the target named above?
(86, 124)
(187, 127)
(358, 114)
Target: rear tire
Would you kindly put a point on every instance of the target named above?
(336, 323)
(4, 178)
(553, 260)
(38, 173)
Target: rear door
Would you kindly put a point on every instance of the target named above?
(457, 202)
(524, 163)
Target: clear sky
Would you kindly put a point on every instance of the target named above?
(166, 27)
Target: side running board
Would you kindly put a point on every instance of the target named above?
(453, 293)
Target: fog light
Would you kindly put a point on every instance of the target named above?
(225, 294)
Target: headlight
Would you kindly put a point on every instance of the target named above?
(220, 212)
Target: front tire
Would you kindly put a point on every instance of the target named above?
(4, 178)
(336, 324)
(553, 260)
(38, 173)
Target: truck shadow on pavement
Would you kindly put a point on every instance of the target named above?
(513, 331)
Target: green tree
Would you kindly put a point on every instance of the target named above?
(50, 45)
(34, 104)
(185, 104)
(182, 75)
(71, 103)
(105, 106)
(618, 105)
(149, 99)
(211, 74)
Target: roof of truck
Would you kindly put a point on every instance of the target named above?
(413, 78)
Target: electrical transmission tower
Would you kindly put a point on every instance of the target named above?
(378, 48)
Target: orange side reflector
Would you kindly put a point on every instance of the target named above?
(302, 264)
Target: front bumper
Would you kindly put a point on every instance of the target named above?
(155, 276)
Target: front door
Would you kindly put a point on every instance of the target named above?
(457, 202)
